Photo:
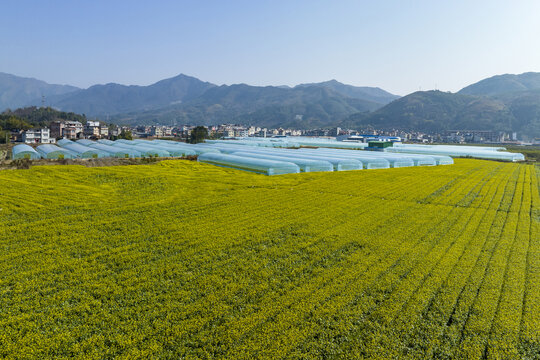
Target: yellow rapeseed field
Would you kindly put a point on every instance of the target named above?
(184, 260)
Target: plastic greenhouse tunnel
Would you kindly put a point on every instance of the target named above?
(196, 149)
(339, 164)
(175, 151)
(64, 141)
(459, 151)
(50, 151)
(309, 141)
(199, 150)
(261, 166)
(144, 150)
(305, 165)
(449, 147)
(23, 151)
(116, 152)
(225, 147)
(85, 142)
(105, 141)
(420, 159)
(85, 152)
(442, 159)
(369, 162)
(395, 161)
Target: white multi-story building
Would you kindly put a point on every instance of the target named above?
(41, 136)
(92, 123)
(241, 132)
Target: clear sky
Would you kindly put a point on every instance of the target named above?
(398, 45)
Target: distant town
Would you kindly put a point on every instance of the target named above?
(99, 130)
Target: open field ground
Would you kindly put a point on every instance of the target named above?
(5, 151)
(178, 259)
(26, 164)
(532, 153)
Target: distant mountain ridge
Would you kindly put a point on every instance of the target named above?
(16, 91)
(501, 84)
(100, 100)
(503, 102)
(269, 106)
(185, 99)
(373, 94)
(436, 111)
(500, 103)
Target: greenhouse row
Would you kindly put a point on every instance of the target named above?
(257, 165)
(260, 157)
(325, 159)
(293, 142)
(88, 149)
(478, 152)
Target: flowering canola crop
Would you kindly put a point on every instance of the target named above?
(185, 260)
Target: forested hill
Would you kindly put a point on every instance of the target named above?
(16, 91)
(504, 102)
(270, 106)
(31, 117)
(188, 100)
(110, 99)
(503, 84)
(434, 111)
(373, 94)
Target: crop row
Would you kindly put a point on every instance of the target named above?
(179, 259)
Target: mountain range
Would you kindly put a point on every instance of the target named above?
(500, 103)
(110, 99)
(184, 99)
(503, 102)
(501, 84)
(17, 91)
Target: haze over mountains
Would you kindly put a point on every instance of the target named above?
(501, 84)
(111, 99)
(185, 99)
(500, 103)
(503, 102)
(374, 94)
(17, 91)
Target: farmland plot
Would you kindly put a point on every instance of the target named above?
(185, 260)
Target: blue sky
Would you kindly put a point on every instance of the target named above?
(400, 46)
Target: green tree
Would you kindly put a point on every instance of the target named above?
(125, 134)
(4, 136)
(28, 117)
(11, 122)
(198, 134)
